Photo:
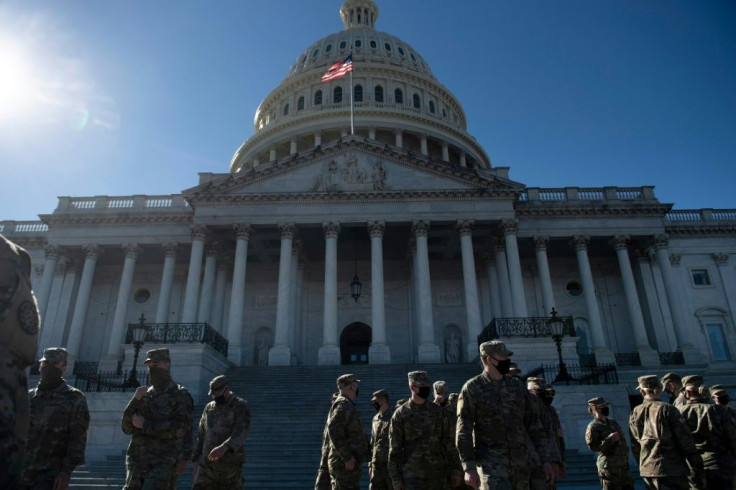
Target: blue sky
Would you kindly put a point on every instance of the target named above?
(136, 97)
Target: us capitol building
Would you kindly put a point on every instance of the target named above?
(396, 244)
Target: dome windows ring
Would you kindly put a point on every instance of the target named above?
(387, 47)
(300, 104)
(337, 95)
(398, 96)
(378, 93)
(343, 44)
(417, 101)
(358, 93)
(318, 97)
(373, 44)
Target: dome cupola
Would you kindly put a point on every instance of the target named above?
(359, 14)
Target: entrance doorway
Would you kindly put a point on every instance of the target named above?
(354, 343)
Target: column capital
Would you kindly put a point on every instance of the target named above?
(509, 226)
(420, 227)
(91, 251)
(465, 226)
(199, 232)
(52, 252)
(675, 258)
(540, 243)
(376, 228)
(660, 241)
(242, 231)
(288, 230)
(213, 248)
(170, 249)
(580, 242)
(331, 229)
(620, 242)
(720, 259)
(131, 250)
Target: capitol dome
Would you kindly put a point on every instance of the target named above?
(397, 100)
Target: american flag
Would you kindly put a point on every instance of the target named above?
(339, 69)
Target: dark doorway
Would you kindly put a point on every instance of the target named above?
(354, 343)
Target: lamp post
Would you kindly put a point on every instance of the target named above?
(139, 332)
(356, 286)
(557, 325)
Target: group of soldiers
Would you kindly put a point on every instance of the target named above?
(498, 433)
(687, 442)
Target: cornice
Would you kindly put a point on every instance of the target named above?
(701, 230)
(648, 211)
(126, 220)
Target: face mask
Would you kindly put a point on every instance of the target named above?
(158, 376)
(548, 400)
(377, 406)
(723, 399)
(423, 392)
(604, 411)
(219, 400)
(503, 367)
(50, 376)
(357, 390)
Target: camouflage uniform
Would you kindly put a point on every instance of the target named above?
(380, 477)
(323, 473)
(58, 433)
(225, 423)
(19, 321)
(188, 447)
(347, 440)
(538, 480)
(613, 456)
(156, 449)
(499, 430)
(662, 443)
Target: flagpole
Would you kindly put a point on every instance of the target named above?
(352, 127)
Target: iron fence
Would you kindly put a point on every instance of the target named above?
(628, 359)
(109, 381)
(671, 358)
(604, 374)
(528, 327)
(182, 333)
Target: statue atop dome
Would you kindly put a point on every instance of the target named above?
(359, 14)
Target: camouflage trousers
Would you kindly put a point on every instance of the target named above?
(380, 478)
(500, 477)
(538, 480)
(14, 419)
(666, 483)
(616, 478)
(149, 475)
(218, 477)
(343, 479)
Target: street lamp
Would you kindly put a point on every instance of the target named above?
(356, 286)
(557, 325)
(139, 332)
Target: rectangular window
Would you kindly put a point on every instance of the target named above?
(700, 277)
(717, 342)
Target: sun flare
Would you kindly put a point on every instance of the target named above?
(17, 84)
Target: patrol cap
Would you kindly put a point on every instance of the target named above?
(649, 382)
(346, 380)
(598, 401)
(440, 387)
(715, 389)
(157, 355)
(379, 393)
(217, 384)
(55, 354)
(671, 377)
(514, 370)
(452, 398)
(692, 382)
(494, 347)
(550, 391)
(538, 383)
(419, 378)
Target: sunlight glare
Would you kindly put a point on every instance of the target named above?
(17, 84)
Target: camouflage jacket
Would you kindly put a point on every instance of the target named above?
(662, 442)
(421, 444)
(168, 416)
(229, 424)
(346, 433)
(550, 426)
(611, 454)
(559, 434)
(58, 432)
(497, 424)
(713, 435)
(379, 436)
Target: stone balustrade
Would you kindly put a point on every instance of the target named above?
(700, 215)
(611, 193)
(120, 203)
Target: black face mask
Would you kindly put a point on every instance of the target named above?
(219, 400)
(377, 406)
(357, 390)
(604, 411)
(423, 392)
(504, 366)
(548, 400)
(158, 376)
(723, 399)
(50, 376)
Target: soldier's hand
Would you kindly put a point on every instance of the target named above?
(457, 481)
(139, 392)
(61, 482)
(549, 472)
(615, 436)
(138, 421)
(350, 465)
(218, 452)
(398, 486)
(182, 467)
(472, 479)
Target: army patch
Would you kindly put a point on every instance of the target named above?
(28, 317)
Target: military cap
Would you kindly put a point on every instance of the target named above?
(550, 391)
(217, 384)
(598, 401)
(346, 380)
(494, 347)
(649, 382)
(157, 355)
(715, 389)
(379, 393)
(693, 381)
(514, 369)
(671, 377)
(400, 402)
(55, 354)
(440, 387)
(538, 383)
(419, 378)
(452, 398)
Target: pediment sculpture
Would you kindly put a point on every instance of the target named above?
(351, 174)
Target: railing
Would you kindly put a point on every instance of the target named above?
(523, 327)
(588, 194)
(605, 374)
(19, 227)
(110, 381)
(118, 203)
(700, 215)
(628, 359)
(182, 333)
(86, 367)
(671, 358)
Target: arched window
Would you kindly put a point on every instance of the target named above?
(398, 96)
(431, 106)
(358, 93)
(337, 95)
(378, 93)
(300, 104)
(417, 102)
(318, 98)
(286, 109)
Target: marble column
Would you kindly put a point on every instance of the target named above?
(727, 282)
(329, 352)
(49, 270)
(518, 297)
(470, 285)
(120, 320)
(548, 297)
(76, 329)
(647, 355)
(293, 299)
(218, 307)
(399, 138)
(167, 282)
(237, 295)
(504, 287)
(423, 144)
(679, 316)
(379, 351)
(428, 350)
(280, 353)
(493, 291)
(191, 296)
(208, 284)
(603, 354)
(653, 306)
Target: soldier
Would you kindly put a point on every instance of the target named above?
(440, 393)
(347, 439)
(422, 453)
(605, 437)
(323, 473)
(496, 419)
(661, 441)
(720, 398)
(672, 384)
(537, 389)
(59, 422)
(19, 321)
(219, 454)
(157, 417)
(514, 370)
(380, 478)
(549, 398)
(713, 434)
